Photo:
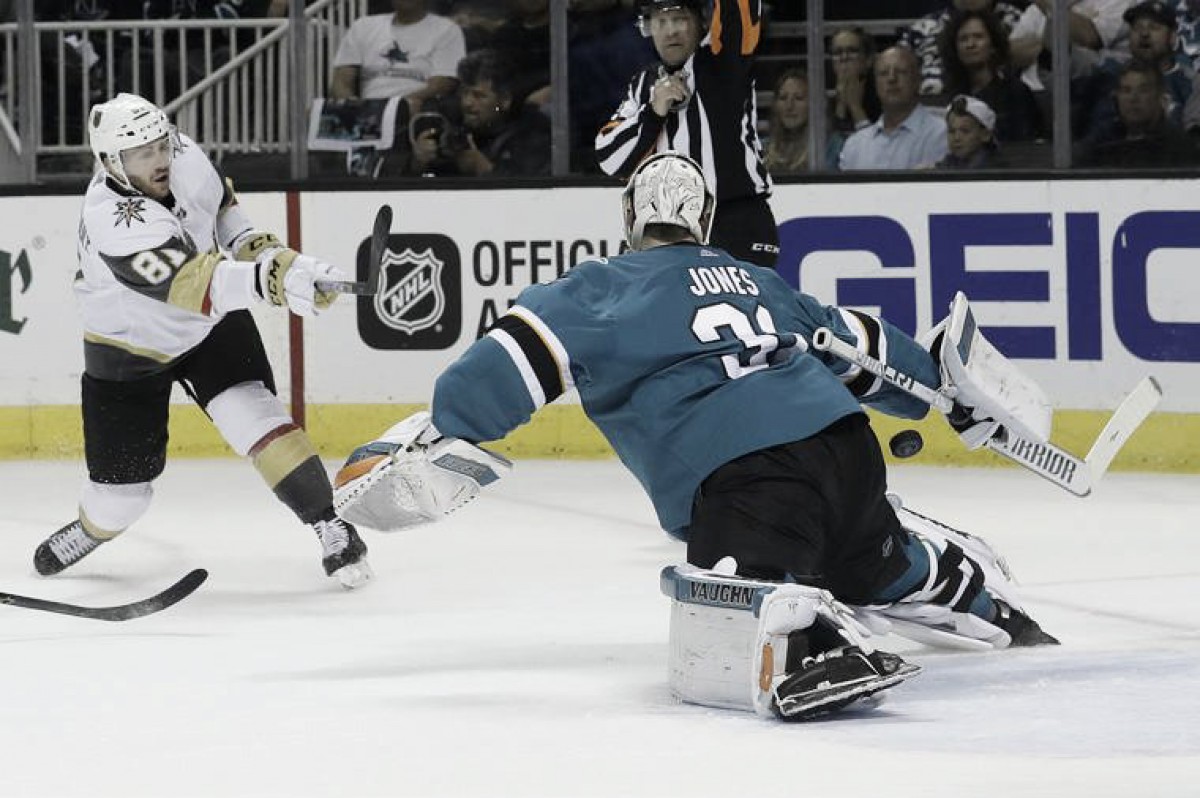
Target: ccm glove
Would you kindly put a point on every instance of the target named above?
(285, 277)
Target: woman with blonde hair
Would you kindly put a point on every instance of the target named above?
(787, 134)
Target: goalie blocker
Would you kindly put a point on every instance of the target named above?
(411, 475)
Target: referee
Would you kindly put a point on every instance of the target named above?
(700, 101)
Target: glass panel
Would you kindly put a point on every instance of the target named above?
(605, 51)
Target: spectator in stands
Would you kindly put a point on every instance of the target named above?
(499, 136)
(1152, 26)
(970, 135)
(975, 62)
(924, 34)
(1143, 136)
(907, 135)
(1187, 18)
(1095, 27)
(787, 136)
(524, 40)
(700, 99)
(854, 104)
(409, 53)
(478, 19)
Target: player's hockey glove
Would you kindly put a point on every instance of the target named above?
(285, 277)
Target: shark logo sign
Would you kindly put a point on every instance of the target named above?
(419, 304)
(411, 286)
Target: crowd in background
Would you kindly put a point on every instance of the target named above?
(911, 84)
(966, 84)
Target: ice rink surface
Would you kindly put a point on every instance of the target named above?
(519, 649)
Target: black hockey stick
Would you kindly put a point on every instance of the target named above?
(379, 240)
(121, 612)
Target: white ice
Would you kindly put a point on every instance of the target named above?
(519, 649)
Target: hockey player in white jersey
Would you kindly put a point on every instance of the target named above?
(169, 264)
(752, 446)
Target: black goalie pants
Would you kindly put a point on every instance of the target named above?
(814, 510)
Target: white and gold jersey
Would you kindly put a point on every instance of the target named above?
(145, 286)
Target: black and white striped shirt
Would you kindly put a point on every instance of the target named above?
(718, 127)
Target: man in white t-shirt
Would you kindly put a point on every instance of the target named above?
(409, 53)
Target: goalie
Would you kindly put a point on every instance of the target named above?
(752, 446)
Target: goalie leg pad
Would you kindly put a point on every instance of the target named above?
(713, 633)
(962, 585)
(782, 650)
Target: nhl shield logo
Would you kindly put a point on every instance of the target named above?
(411, 298)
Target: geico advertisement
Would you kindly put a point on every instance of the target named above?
(1091, 285)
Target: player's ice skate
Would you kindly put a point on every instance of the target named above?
(63, 549)
(344, 553)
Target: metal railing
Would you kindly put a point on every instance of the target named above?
(225, 81)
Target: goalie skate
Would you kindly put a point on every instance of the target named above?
(833, 680)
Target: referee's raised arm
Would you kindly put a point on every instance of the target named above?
(700, 100)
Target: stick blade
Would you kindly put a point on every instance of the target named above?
(1125, 420)
(120, 612)
(380, 232)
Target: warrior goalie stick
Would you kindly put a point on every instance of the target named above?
(1072, 474)
(379, 240)
(120, 612)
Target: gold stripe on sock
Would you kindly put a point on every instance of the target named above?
(94, 531)
(280, 452)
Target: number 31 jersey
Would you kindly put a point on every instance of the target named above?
(685, 359)
(146, 266)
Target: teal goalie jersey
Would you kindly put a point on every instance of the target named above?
(683, 357)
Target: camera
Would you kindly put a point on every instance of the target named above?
(426, 121)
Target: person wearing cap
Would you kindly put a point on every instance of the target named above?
(970, 135)
(700, 100)
(1152, 41)
(907, 135)
(975, 54)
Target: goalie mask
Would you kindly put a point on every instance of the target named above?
(129, 122)
(668, 188)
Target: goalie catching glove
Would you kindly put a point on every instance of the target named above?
(412, 475)
(285, 277)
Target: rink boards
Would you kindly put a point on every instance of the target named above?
(1090, 285)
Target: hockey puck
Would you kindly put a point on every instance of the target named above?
(906, 443)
